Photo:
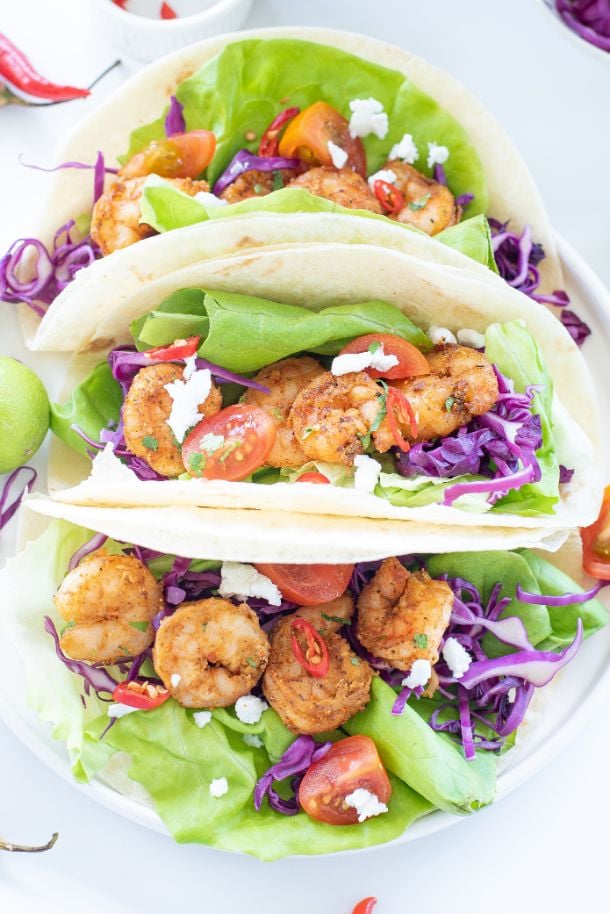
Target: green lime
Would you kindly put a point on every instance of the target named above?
(24, 413)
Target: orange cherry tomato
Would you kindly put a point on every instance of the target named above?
(179, 349)
(315, 659)
(596, 543)
(411, 362)
(350, 763)
(309, 585)
(307, 136)
(184, 155)
(365, 906)
(231, 444)
(318, 478)
(389, 196)
(142, 695)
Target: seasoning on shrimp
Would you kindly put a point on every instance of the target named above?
(429, 206)
(345, 187)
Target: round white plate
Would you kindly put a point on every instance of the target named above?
(560, 711)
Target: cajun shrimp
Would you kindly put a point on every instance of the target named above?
(402, 616)
(430, 206)
(332, 414)
(342, 186)
(115, 222)
(108, 603)
(256, 184)
(305, 703)
(285, 379)
(147, 408)
(210, 652)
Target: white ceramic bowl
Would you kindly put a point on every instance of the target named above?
(144, 39)
(549, 8)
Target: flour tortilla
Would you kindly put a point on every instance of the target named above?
(512, 192)
(317, 275)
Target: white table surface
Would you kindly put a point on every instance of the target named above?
(543, 848)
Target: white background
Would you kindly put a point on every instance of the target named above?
(543, 848)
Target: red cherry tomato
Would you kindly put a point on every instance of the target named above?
(179, 349)
(315, 659)
(389, 196)
(184, 155)
(307, 136)
(596, 543)
(365, 906)
(309, 585)
(142, 695)
(411, 362)
(350, 763)
(319, 478)
(270, 139)
(231, 444)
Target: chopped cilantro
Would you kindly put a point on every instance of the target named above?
(354, 661)
(374, 346)
(252, 662)
(124, 650)
(421, 640)
(151, 443)
(259, 189)
(140, 626)
(449, 403)
(339, 619)
(308, 431)
(197, 463)
(277, 412)
(419, 204)
(278, 180)
(231, 446)
(67, 627)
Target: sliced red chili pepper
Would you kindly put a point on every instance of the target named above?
(120, 3)
(141, 695)
(167, 12)
(16, 69)
(316, 659)
(365, 906)
(396, 402)
(314, 477)
(389, 196)
(270, 139)
(180, 349)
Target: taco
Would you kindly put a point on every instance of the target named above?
(408, 390)
(284, 120)
(285, 709)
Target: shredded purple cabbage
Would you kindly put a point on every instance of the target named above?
(8, 507)
(95, 677)
(303, 752)
(96, 542)
(566, 599)
(174, 119)
(244, 160)
(589, 19)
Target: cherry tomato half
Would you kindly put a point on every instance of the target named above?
(365, 906)
(350, 763)
(142, 695)
(309, 585)
(179, 349)
(596, 543)
(231, 444)
(307, 136)
(411, 362)
(318, 478)
(184, 155)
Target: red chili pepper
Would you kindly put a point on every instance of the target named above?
(270, 139)
(314, 477)
(365, 906)
(389, 196)
(120, 3)
(180, 349)
(141, 695)
(316, 659)
(16, 69)
(396, 402)
(167, 12)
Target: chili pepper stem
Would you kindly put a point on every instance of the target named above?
(26, 848)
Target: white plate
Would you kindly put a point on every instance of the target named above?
(560, 711)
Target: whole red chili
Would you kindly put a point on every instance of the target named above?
(17, 71)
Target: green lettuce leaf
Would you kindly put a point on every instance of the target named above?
(94, 403)
(249, 82)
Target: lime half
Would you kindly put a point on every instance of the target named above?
(24, 413)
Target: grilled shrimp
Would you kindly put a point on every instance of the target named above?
(345, 187)
(210, 652)
(305, 703)
(430, 206)
(256, 184)
(147, 408)
(115, 222)
(108, 602)
(461, 384)
(402, 616)
(332, 413)
(285, 380)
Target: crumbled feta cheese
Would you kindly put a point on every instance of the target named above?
(367, 117)
(249, 709)
(358, 361)
(187, 396)
(456, 657)
(365, 803)
(209, 200)
(190, 364)
(367, 473)
(243, 581)
(338, 155)
(202, 718)
(119, 710)
(437, 155)
(219, 787)
(471, 338)
(252, 740)
(405, 150)
(175, 680)
(418, 675)
(385, 174)
(441, 335)
(512, 696)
